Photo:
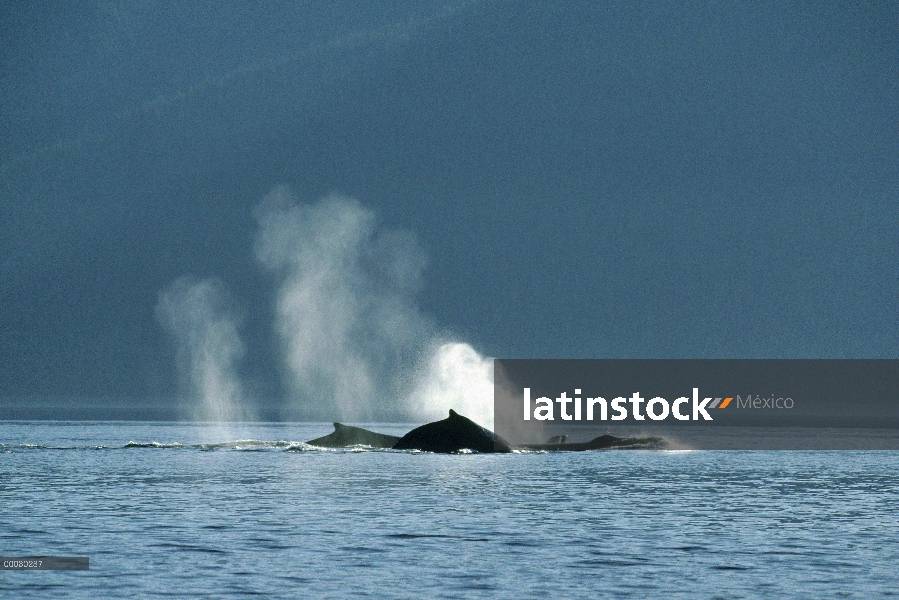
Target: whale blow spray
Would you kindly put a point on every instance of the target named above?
(454, 376)
(355, 343)
(196, 314)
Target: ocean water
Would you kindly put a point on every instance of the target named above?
(182, 510)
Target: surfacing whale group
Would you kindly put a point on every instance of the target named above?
(457, 433)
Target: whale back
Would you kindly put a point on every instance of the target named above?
(603, 442)
(347, 435)
(452, 434)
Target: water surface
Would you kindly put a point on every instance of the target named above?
(171, 510)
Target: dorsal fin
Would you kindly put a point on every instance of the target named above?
(338, 425)
(453, 413)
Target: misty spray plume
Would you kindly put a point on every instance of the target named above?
(356, 345)
(196, 314)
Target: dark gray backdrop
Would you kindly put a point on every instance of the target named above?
(588, 179)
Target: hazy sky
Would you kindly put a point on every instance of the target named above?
(583, 179)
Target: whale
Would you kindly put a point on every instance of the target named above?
(347, 435)
(457, 433)
(453, 434)
(603, 442)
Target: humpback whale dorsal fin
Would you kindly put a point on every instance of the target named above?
(338, 425)
(453, 413)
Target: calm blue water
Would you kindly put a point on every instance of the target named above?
(192, 517)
